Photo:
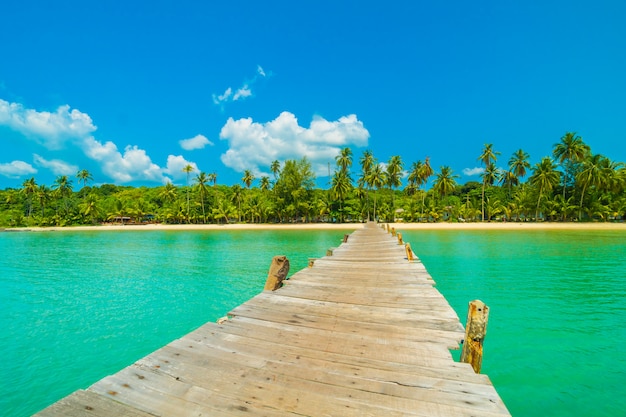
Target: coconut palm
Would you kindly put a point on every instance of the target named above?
(63, 189)
(340, 187)
(344, 159)
(264, 183)
(188, 169)
(248, 178)
(43, 195)
(487, 157)
(84, 176)
(367, 162)
(275, 168)
(168, 192)
(394, 171)
(29, 188)
(596, 171)
(375, 180)
(202, 180)
(544, 177)
(571, 149)
(518, 164)
(445, 181)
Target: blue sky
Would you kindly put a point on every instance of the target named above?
(135, 90)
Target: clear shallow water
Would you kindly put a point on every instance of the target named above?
(557, 325)
(77, 306)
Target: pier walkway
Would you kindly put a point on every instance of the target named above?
(362, 332)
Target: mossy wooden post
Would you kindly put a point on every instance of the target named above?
(409, 252)
(278, 272)
(400, 239)
(393, 231)
(329, 251)
(475, 331)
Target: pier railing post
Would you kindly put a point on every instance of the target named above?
(277, 273)
(400, 239)
(475, 331)
(345, 238)
(409, 252)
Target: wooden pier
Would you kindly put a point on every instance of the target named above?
(362, 332)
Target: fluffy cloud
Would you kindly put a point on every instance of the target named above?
(473, 171)
(197, 142)
(175, 165)
(242, 92)
(51, 130)
(16, 169)
(133, 165)
(57, 166)
(71, 127)
(255, 145)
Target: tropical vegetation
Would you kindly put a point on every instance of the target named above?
(571, 184)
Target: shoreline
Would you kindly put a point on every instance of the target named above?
(330, 226)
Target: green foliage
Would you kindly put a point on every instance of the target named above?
(575, 186)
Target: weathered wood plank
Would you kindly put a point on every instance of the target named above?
(361, 332)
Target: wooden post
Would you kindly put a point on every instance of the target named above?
(345, 238)
(311, 262)
(393, 231)
(400, 239)
(409, 252)
(475, 331)
(278, 272)
(329, 252)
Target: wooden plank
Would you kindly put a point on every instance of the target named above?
(361, 332)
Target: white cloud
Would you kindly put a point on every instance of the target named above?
(473, 171)
(197, 142)
(175, 165)
(133, 165)
(16, 169)
(71, 127)
(242, 92)
(255, 145)
(57, 166)
(51, 130)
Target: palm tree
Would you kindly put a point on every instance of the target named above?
(375, 179)
(84, 176)
(275, 168)
(29, 189)
(596, 169)
(545, 177)
(63, 189)
(188, 169)
(89, 207)
(445, 181)
(490, 175)
(43, 195)
(367, 161)
(344, 159)
(341, 186)
(487, 157)
(237, 193)
(264, 183)
(247, 179)
(168, 192)
(518, 164)
(201, 181)
(394, 169)
(571, 149)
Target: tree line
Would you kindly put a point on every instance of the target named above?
(572, 184)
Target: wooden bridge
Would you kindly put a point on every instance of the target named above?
(362, 332)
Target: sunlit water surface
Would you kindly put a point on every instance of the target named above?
(77, 306)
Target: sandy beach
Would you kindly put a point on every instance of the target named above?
(342, 226)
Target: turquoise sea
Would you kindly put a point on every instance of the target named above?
(77, 306)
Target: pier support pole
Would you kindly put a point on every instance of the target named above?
(475, 331)
(409, 252)
(278, 272)
(400, 239)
